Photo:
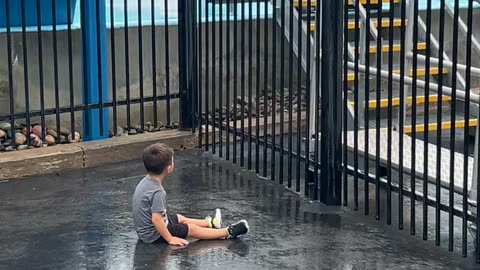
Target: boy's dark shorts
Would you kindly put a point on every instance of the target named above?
(175, 228)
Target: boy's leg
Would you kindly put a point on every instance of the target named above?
(208, 222)
(231, 231)
(200, 233)
(199, 222)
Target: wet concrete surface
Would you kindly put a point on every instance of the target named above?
(82, 220)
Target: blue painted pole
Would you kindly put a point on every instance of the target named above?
(95, 76)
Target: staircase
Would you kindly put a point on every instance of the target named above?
(385, 20)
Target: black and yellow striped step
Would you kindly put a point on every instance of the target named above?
(372, 104)
(421, 46)
(447, 125)
(420, 73)
(385, 24)
(304, 3)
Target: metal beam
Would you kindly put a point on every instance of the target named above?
(331, 100)
(474, 98)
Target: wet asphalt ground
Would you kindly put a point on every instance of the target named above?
(82, 220)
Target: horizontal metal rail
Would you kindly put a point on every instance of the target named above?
(447, 64)
(420, 84)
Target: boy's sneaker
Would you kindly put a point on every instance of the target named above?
(238, 229)
(216, 221)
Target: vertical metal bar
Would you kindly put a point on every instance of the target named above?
(90, 72)
(235, 79)
(366, 107)
(439, 121)
(40, 68)
(466, 133)
(85, 78)
(114, 68)
(477, 144)
(194, 74)
(453, 111)
(318, 30)
(377, 118)
(250, 82)
(192, 8)
(214, 89)
(401, 120)
(265, 90)
(282, 90)
(426, 120)
(307, 94)
(70, 75)
(186, 59)
(290, 99)
(242, 86)
(389, 112)
(228, 99)
(99, 67)
(200, 79)
(127, 63)
(140, 66)
(414, 118)
(344, 106)
(356, 105)
(167, 67)
(299, 95)
(55, 73)
(331, 185)
(220, 83)
(10, 73)
(274, 88)
(257, 93)
(207, 79)
(154, 65)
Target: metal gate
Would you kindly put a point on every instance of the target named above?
(366, 103)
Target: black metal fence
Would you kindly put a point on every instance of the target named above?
(369, 103)
(83, 70)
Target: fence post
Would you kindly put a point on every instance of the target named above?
(331, 102)
(95, 79)
(187, 62)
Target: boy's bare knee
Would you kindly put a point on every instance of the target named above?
(192, 228)
(181, 219)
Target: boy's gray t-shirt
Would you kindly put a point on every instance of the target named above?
(149, 197)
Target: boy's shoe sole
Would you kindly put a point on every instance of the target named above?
(217, 220)
(237, 229)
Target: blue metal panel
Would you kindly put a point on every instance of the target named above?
(91, 74)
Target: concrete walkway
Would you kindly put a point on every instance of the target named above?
(81, 220)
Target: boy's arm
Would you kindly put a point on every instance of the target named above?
(159, 224)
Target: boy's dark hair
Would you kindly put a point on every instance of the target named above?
(157, 157)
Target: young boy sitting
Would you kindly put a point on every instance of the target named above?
(151, 220)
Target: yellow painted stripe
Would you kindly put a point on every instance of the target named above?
(374, 2)
(372, 104)
(423, 72)
(396, 48)
(443, 126)
(304, 3)
(385, 23)
(420, 72)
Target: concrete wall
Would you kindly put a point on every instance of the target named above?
(63, 85)
(261, 51)
(63, 76)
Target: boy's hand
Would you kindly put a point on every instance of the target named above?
(178, 242)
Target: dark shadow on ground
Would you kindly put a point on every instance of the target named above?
(82, 220)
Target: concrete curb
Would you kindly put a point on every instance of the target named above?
(18, 164)
(59, 158)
